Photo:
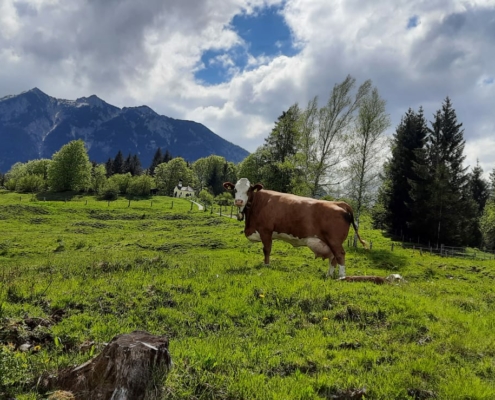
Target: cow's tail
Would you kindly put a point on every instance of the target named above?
(350, 215)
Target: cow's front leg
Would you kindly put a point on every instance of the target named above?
(266, 239)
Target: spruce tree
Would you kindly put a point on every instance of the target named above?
(136, 168)
(167, 156)
(109, 167)
(127, 164)
(479, 188)
(118, 163)
(442, 205)
(399, 172)
(157, 160)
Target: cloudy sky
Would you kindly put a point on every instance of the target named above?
(235, 65)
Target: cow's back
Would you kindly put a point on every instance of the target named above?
(297, 216)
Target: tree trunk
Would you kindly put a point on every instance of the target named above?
(131, 367)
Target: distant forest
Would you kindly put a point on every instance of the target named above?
(414, 184)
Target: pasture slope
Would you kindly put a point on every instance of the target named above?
(75, 273)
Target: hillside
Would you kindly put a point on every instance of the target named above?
(238, 329)
(34, 125)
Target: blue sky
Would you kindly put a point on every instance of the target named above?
(235, 66)
(264, 34)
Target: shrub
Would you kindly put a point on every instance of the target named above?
(30, 183)
(140, 185)
(110, 191)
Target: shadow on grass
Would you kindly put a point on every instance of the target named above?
(383, 259)
(57, 196)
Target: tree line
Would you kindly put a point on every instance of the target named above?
(427, 194)
(418, 190)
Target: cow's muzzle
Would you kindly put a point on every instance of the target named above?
(239, 203)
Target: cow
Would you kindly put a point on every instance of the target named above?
(318, 224)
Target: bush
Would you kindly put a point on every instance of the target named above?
(30, 184)
(140, 185)
(110, 191)
(122, 181)
(224, 199)
(10, 184)
(206, 197)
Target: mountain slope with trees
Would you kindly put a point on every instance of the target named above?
(34, 125)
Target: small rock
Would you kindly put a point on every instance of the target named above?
(25, 347)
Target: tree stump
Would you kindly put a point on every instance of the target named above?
(131, 367)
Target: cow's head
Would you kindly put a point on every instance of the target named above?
(243, 193)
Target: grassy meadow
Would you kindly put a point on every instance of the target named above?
(75, 272)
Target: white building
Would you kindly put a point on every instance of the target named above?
(183, 191)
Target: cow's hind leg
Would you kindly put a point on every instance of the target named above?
(332, 263)
(266, 239)
(339, 254)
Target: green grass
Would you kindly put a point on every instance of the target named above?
(237, 329)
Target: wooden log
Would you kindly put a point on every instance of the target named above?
(375, 279)
(131, 367)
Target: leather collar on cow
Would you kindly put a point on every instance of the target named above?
(242, 214)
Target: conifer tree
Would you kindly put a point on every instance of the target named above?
(167, 156)
(127, 164)
(109, 167)
(118, 163)
(394, 194)
(442, 204)
(157, 160)
(136, 168)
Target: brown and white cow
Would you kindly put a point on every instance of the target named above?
(320, 225)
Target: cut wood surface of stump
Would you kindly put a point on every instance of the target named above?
(131, 367)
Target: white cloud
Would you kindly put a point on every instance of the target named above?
(132, 53)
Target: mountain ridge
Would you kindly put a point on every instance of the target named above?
(35, 125)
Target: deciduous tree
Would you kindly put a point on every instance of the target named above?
(70, 168)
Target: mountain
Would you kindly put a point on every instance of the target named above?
(34, 125)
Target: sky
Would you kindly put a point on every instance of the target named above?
(236, 65)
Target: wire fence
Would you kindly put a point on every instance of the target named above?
(448, 251)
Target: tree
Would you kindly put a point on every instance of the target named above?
(127, 164)
(157, 160)
(323, 133)
(2, 179)
(167, 156)
(365, 151)
(399, 171)
(98, 177)
(444, 205)
(140, 185)
(70, 168)
(252, 166)
(136, 169)
(118, 164)
(167, 175)
(479, 188)
(279, 171)
(492, 184)
(109, 167)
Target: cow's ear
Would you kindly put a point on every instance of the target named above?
(229, 186)
(257, 187)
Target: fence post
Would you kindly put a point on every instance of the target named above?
(392, 249)
(129, 204)
(231, 208)
(86, 202)
(191, 205)
(220, 210)
(371, 245)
